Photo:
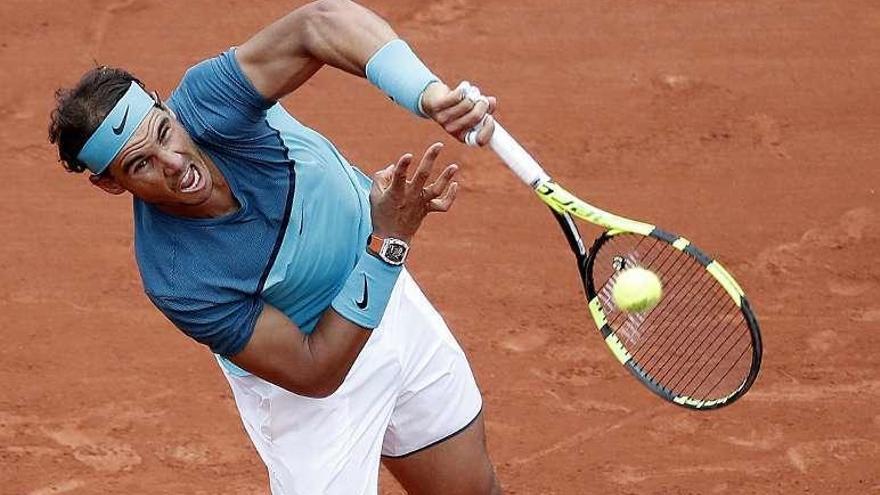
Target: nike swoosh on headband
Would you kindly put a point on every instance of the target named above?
(108, 139)
(118, 130)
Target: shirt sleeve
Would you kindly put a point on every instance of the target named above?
(225, 327)
(217, 103)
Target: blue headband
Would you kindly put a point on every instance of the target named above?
(116, 129)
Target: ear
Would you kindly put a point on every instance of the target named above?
(107, 183)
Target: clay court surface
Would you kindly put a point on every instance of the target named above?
(750, 126)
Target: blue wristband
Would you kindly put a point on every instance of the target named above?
(398, 72)
(366, 291)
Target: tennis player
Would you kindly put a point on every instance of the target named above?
(257, 238)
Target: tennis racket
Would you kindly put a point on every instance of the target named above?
(700, 346)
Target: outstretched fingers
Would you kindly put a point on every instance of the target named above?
(425, 165)
(444, 202)
(398, 174)
(439, 186)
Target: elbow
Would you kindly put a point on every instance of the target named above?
(317, 392)
(341, 33)
(320, 20)
(325, 19)
(328, 13)
(317, 387)
(332, 6)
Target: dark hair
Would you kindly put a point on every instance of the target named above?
(81, 109)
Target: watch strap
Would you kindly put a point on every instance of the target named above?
(375, 244)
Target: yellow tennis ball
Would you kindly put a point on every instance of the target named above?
(636, 289)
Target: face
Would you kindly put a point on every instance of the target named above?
(161, 165)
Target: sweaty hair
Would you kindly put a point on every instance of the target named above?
(81, 109)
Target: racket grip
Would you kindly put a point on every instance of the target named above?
(517, 158)
(502, 143)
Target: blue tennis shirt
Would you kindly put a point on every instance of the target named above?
(303, 220)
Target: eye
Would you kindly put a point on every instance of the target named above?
(141, 164)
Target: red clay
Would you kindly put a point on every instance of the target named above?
(749, 126)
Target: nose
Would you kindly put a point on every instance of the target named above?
(172, 163)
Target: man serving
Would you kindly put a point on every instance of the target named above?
(258, 239)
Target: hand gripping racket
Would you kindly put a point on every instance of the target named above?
(700, 347)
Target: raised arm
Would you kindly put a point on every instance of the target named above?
(285, 54)
(345, 35)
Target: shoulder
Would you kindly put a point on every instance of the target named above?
(216, 96)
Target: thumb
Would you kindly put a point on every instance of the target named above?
(382, 177)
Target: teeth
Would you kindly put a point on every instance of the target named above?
(195, 179)
(187, 177)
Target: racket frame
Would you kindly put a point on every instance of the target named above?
(565, 205)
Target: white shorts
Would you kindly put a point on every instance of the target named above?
(410, 388)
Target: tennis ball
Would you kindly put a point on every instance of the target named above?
(636, 289)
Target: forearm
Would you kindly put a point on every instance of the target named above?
(313, 365)
(333, 347)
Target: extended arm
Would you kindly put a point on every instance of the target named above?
(285, 54)
(345, 35)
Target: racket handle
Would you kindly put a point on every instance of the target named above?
(502, 143)
(517, 158)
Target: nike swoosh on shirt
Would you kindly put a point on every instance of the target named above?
(118, 130)
(366, 297)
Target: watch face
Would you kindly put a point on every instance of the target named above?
(394, 251)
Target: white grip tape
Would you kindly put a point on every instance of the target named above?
(473, 94)
(517, 158)
(470, 137)
(512, 154)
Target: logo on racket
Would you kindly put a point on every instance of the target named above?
(618, 263)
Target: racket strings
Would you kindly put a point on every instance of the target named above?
(661, 351)
(688, 355)
(703, 293)
(667, 328)
(679, 373)
(733, 364)
(660, 335)
(620, 317)
(695, 344)
(674, 298)
(737, 338)
(673, 280)
(688, 343)
(607, 287)
(670, 366)
(734, 338)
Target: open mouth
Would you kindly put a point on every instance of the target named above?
(192, 180)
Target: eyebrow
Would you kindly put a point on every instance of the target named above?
(163, 122)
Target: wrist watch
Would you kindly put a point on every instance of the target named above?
(390, 250)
